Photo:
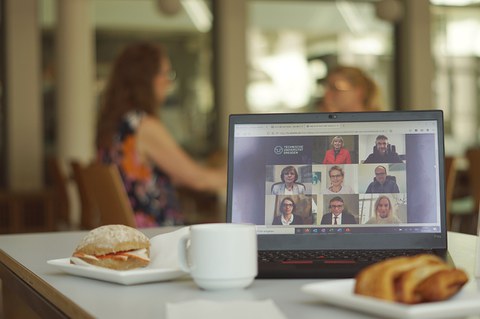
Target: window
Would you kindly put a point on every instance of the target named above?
(292, 44)
(456, 49)
(189, 110)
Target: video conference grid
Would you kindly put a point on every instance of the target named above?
(323, 129)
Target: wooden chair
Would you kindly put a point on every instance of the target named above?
(27, 211)
(89, 215)
(464, 211)
(450, 177)
(103, 184)
(473, 156)
(59, 181)
(46, 209)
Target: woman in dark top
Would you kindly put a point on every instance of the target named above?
(287, 216)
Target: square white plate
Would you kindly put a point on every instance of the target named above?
(124, 277)
(340, 293)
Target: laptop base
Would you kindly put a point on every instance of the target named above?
(329, 268)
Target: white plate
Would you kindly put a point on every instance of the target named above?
(125, 277)
(340, 293)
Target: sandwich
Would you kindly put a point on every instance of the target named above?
(410, 280)
(116, 247)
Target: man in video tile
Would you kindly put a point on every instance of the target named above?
(383, 152)
(382, 183)
(338, 215)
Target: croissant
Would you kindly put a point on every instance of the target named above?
(442, 285)
(410, 280)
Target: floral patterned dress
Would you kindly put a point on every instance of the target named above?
(150, 191)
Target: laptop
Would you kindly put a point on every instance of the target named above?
(283, 176)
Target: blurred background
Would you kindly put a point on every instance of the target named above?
(230, 56)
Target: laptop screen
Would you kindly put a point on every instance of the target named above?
(328, 179)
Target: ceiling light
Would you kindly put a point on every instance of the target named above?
(351, 16)
(199, 13)
(453, 2)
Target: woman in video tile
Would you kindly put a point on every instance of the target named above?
(289, 184)
(384, 212)
(287, 216)
(337, 154)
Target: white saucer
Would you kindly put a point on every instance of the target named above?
(340, 293)
(126, 277)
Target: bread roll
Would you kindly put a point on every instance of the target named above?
(410, 280)
(116, 247)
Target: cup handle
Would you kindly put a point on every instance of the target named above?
(182, 253)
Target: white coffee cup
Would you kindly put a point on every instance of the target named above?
(220, 256)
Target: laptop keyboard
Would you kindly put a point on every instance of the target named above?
(332, 256)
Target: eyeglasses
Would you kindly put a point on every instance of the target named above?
(287, 205)
(336, 206)
(339, 85)
(335, 176)
(289, 173)
(380, 174)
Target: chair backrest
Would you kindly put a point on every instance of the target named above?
(388, 177)
(473, 156)
(390, 148)
(89, 216)
(105, 187)
(278, 183)
(450, 178)
(59, 182)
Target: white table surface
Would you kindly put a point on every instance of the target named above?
(109, 300)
